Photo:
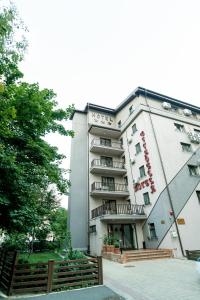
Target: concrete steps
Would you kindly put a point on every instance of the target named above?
(137, 255)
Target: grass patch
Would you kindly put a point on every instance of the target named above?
(39, 257)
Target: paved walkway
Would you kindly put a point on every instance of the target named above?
(94, 293)
(163, 279)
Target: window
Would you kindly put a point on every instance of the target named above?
(194, 171)
(152, 231)
(186, 147)
(138, 148)
(119, 124)
(93, 229)
(105, 142)
(146, 199)
(108, 183)
(179, 127)
(130, 109)
(125, 179)
(106, 161)
(196, 131)
(142, 171)
(121, 141)
(198, 195)
(134, 128)
(123, 159)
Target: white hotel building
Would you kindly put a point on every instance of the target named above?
(135, 174)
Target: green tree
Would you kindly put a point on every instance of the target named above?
(58, 224)
(30, 172)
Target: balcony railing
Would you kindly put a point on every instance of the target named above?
(107, 164)
(111, 187)
(106, 143)
(118, 209)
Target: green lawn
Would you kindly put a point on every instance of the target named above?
(39, 257)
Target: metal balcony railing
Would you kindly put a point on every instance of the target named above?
(106, 143)
(118, 209)
(108, 164)
(111, 187)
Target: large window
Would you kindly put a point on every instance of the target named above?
(138, 148)
(179, 127)
(134, 128)
(108, 183)
(186, 147)
(194, 170)
(146, 198)
(152, 231)
(142, 171)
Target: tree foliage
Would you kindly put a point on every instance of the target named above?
(30, 172)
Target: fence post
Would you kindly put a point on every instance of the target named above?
(15, 257)
(100, 269)
(50, 275)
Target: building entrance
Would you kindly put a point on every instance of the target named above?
(125, 234)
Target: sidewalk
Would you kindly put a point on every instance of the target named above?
(93, 293)
(161, 279)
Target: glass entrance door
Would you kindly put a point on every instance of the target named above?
(124, 233)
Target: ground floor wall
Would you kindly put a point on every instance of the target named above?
(131, 238)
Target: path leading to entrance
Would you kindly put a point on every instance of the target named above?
(163, 279)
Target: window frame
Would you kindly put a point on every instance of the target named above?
(190, 167)
(189, 149)
(136, 149)
(146, 202)
(134, 128)
(181, 128)
(144, 173)
(198, 195)
(154, 235)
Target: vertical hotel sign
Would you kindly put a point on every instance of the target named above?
(148, 182)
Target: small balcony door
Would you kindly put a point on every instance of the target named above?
(106, 161)
(105, 142)
(108, 183)
(110, 206)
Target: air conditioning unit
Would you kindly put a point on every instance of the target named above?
(132, 160)
(166, 105)
(130, 140)
(187, 112)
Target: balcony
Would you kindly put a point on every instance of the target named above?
(106, 147)
(114, 190)
(99, 166)
(103, 131)
(119, 212)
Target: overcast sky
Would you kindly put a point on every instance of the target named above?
(100, 50)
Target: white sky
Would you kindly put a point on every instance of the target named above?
(100, 50)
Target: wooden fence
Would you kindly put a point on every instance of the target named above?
(192, 254)
(47, 277)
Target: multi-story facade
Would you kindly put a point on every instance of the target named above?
(135, 174)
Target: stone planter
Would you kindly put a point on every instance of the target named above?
(116, 250)
(110, 248)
